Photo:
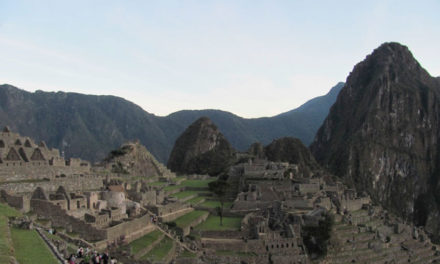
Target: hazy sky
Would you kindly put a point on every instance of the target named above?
(252, 58)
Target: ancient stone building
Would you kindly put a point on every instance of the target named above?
(23, 159)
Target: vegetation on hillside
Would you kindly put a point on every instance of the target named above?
(90, 126)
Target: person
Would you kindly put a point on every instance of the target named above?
(95, 258)
(105, 258)
(79, 252)
(72, 259)
(113, 260)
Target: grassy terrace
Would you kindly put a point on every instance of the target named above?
(234, 253)
(30, 248)
(7, 211)
(5, 243)
(187, 254)
(186, 220)
(157, 183)
(195, 200)
(160, 250)
(184, 194)
(144, 241)
(214, 204)
(197, 183)
(212, 223)
(172, 187)
(190, 183)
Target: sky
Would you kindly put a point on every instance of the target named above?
(252, 58)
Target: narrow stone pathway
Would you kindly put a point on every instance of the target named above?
(51, 246)
(169, 235)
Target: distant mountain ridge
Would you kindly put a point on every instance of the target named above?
(89, 126)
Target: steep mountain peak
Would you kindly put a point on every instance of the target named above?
(390, 62)
(381, 135)
(201, 149)
(204, 121)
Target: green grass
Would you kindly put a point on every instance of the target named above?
(234, 253)
(184, 194)
(160, 250)
(5, 243)
(143, 242)
(30, 248)
(187, 254)
(8, 211)
(214, 204)
(172, 187)
(212, 223)
(157, 183)
(195, 200)
(186, 220)
(197, 183)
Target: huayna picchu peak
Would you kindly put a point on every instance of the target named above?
(201, 149)
(382, 135)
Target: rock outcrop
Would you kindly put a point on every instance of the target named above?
(382, 135)
(135, 160)
(201, 149)
(292, 150)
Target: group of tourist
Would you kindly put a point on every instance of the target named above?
(88, 257)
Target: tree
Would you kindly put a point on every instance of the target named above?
(219, 188)
(316, 238)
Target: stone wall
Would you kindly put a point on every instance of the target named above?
(20, 170)
(21, 203)
(169, 208)
(187, 229)
(227, 234)
(308, 187)
(355, 204)
(73, 183)
(60, 218)
(174, 215)
(127, 228)
(250, 205)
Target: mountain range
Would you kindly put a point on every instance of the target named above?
(89, 126)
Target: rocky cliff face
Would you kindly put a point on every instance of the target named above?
(382, 135)
(201, 149)
(292, 150)
(135, 160)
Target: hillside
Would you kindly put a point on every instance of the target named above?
(201, 149)
(90, 126)
(382, 135)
